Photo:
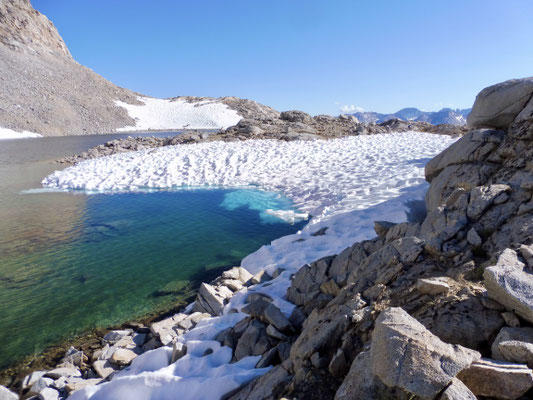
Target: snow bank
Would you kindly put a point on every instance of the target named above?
(179, 114)
(6, 133)
(346, 183)
(321, 177)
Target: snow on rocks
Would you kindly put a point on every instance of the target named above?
(179, 114)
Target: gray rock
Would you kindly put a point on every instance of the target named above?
(296, 116)
(323, 329)
(360, 383)
(482, 197)
(123, 356)
(237, 273)
(510, 334)
(253, 342)
(275, 317)
(268, 358)
(433, 286)
(103, 368)
(406, 355)
(511, 319)
(473, 238)
(516, 351)
(273, 332)
(152, 344)
(115, 336)
(6, 394)
(305, 285)
(453, 177)
(474, 146)
(338, 367)
(261, 277)
(211, 299)
(382, 227)
(74, 357)
(457, 391)
(409, 248)
(139, 338)
(498, 105)
(265, 387)
(510, 285)
(178, 351)
(497, 379)
(466, 321)
(256, 308)
(73, 384)
(30, 379)
(63, 372)
(257, 296)
(40, 385)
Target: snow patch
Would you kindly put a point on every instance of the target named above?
(178, 114)
(321, 177)
(6, 133)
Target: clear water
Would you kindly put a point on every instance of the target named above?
(73, 262)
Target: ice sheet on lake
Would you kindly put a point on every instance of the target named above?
(179, 114)
(321, 177)
(347, 184)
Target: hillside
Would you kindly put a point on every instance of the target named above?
(44, 91)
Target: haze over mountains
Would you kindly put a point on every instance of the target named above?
(444, 116)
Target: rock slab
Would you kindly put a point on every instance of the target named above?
(406, 355)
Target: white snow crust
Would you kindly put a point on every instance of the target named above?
(178, 114)
(346, 184)
(6, 133)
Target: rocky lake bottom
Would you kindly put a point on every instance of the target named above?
(72, 262)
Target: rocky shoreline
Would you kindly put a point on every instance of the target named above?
(439, 309)
(285, 126)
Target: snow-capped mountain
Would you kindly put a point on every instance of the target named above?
(444, 116)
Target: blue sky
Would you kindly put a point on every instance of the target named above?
(315, 56)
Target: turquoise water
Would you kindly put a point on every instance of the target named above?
(73, 262)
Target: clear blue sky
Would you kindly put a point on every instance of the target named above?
(315, 56)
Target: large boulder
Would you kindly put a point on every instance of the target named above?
(472, 147)
(508, 283)
(498, 105)
(406, 355)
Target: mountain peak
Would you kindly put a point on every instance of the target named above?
(26, 30)
(443, 116)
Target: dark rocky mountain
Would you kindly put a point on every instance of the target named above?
(444, 116)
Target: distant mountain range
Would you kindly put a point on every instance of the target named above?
(444, 116)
